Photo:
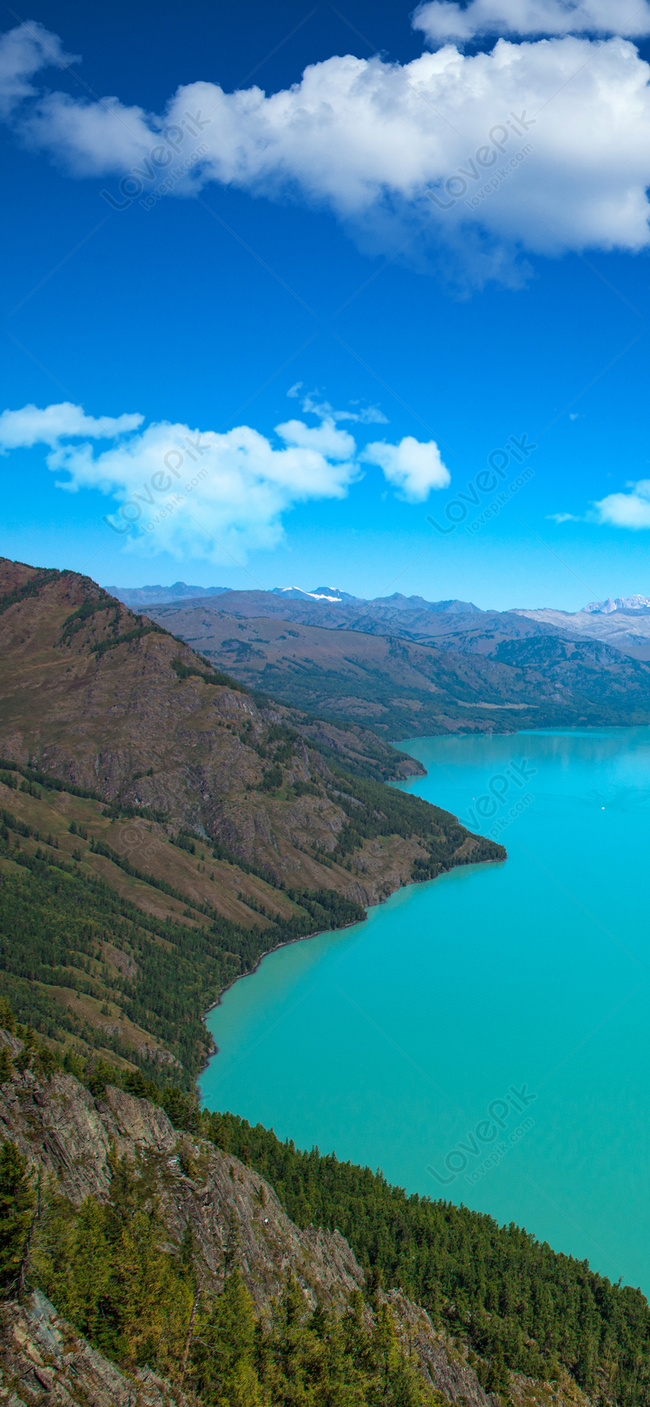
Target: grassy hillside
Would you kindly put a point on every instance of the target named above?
(160, 828)
(118, 931)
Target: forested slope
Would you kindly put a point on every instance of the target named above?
(197, 1252)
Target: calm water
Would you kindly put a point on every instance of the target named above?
(413, 1042)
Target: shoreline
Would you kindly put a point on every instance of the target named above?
(288, 943)
(397, 781)
(304, 937)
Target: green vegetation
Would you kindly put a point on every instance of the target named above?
(93, 604)
(136, 634)
(109, 1269)
(16, 1212)
(34, 775)
(209, 676)
(33, 587)
(512, 1298)
(55, 923)
(374, 809)
(517, 1303)
(98, 601)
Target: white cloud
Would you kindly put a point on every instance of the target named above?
(31, 426)
(23, 52)
(616, 510)
(626, 510)
(413, 468)
(442, 21)
(370, 140)
(335, 444)
(367, 415)
(176, 489)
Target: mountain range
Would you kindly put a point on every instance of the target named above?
(403, 666)
(150, 595)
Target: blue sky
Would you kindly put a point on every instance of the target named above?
(319, 245)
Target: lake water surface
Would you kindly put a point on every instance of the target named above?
(483, 1037)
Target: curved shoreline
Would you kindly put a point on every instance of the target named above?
(304, 937)
(288, 943)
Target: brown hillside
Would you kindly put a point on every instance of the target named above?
(103, 698)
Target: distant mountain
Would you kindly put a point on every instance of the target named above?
(419, 603)
(413, 672)
(619, 603)
(266, 602)
(410, 616)
(322, 593)
(135, 597)
(623, 623)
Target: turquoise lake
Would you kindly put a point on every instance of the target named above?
(483, 1037)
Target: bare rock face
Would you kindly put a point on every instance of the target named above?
(43, 1360)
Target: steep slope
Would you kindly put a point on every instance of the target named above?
(107, 700)
(45, 1360)
(201, 1221)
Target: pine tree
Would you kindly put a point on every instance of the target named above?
(224, 1356)
(498, 1379)
(17, 1198)
(6, 1065)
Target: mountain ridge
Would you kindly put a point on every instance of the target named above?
(413, 672)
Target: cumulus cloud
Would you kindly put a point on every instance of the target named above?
(487, 155)
(442, 21)
(413, 468)
(616, 510)
(626, 510)
(188, 491)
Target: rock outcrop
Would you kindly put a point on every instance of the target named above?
(43, 1361)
